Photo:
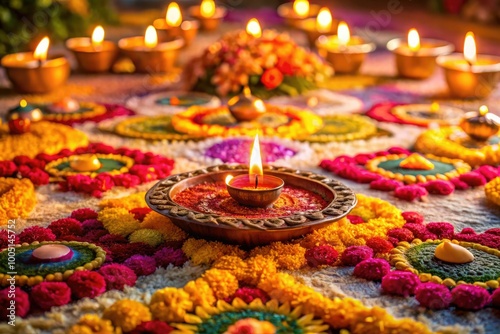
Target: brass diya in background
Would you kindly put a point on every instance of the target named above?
(36, 73)
(480, 125)
(209, 15)
(174, 26)
(246, 107)
(294, 12)
(94, 55)
(344, 52)
(416, 58)
(470, 75)
(323, 24)
(148, 55)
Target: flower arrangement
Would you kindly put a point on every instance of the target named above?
(136, 167)
(383, 172)
(17, 199)
(492, 191)
(269, 65)
(44, 137)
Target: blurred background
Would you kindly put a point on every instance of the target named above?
(23, 21)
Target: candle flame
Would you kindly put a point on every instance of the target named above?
(470, 48)
(151, 37)
(301, 8)
(229, 178)
(324, 20)
(207, 8)
(253, 28)
(174, 15)
(23, 103)
(343, 33)
(483, 110)
(97, 36)
(435, 107)
(413, 40)
(259, 105)
(255, 159)
(42, 49)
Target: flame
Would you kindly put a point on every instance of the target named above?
(207, 8)
(483, 110)
(151, 37)
(255, 159)
(470, 48)
(413, 40)
(435, 107)
(97, 36)
(301, 8)
(42, 49)
(324, 20)
(253, 28)
(23, 103)
(343, 33)
(229, 178)
(259, 105)
(174, 15)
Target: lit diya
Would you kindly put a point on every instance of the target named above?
(174, 25)
(346, 53)
(416, 58)
(209, 15)
(250, 206)
(255, 189)
(94, 55)
(36, 73)
(470, 75)
(294, 12)
(323, 24)
(148, 55)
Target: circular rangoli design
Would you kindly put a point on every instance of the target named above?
(341, 128)
(84, 256)
(419, 258)
(419, 114)
(277, 121)
(169, 102)
(273, 316)
(112, 164)
(452, 142)
(152, 128)
(417, 168)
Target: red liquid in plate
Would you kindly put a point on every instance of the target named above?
(213, 198)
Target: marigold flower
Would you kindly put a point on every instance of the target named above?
(170, 304)
(127, 314)
(222, 282)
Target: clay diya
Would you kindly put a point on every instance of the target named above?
(416, 58)
(36, 73)
(470, 75)
(94, 55)
(222, 218)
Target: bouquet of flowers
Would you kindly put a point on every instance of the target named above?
(269, 65)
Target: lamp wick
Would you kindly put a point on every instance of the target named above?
(256, 181)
